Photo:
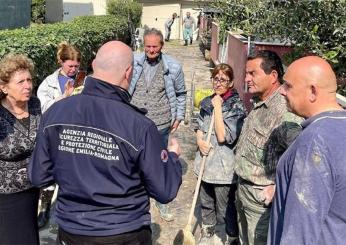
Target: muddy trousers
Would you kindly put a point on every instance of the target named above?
(218, 207)
(253, 215)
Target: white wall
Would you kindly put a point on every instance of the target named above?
(59, 10)
(73, 8)
(155, 15)
(99, 7)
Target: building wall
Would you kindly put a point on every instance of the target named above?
(74, 8)
(66, 10)
(155, 14)
(99, 7)
(14, 14)
(54, 11)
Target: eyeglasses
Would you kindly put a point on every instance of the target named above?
(223, 82)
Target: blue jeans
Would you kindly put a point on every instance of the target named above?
(165, 135)
(188, 34)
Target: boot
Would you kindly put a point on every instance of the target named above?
(43, 217)
(230, 240)
(190, 41)
(185, 43)
(165, 212)
(207, 235)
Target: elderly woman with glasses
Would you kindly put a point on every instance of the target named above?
(55, 87)
(217, 194)
(19, 119)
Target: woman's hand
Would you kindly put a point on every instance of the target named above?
(68, 88)
(217, 101)
(204, 147)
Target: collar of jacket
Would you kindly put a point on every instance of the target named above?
(270, 101)
(227, 104)
(99, 88)
(162, 57)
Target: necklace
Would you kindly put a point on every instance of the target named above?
(22, 119)
(19, 115)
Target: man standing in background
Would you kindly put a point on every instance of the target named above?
(168, 26)
(158, 86)
(189, 24)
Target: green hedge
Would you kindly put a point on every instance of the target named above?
(40, 42)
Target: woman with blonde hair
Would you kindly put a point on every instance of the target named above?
(55, 87)
(59, 84)
(19, 119)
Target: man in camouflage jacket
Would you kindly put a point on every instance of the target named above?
(267, 132)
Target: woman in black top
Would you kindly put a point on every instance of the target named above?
(19, 118)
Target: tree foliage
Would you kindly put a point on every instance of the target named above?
(315, 27)
(38, 10)
(130, 9)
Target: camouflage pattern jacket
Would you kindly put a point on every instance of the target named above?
(219, 167)
(267, 132)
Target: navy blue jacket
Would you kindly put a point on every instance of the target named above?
(107, 159)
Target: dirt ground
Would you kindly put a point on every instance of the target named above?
(196, 69)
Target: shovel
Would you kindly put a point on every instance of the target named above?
(185, 236)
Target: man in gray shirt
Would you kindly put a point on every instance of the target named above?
(189, 24)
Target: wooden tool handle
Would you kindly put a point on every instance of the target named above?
(200, 175)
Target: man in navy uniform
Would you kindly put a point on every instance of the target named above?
(106, 157)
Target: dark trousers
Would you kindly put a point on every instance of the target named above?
(218, 206)
(138, 237)
(18, 217)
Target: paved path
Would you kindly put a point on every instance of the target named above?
(195, 68)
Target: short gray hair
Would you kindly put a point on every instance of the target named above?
(153, 31)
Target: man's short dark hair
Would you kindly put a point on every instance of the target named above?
(153, 31)
(270, 62)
